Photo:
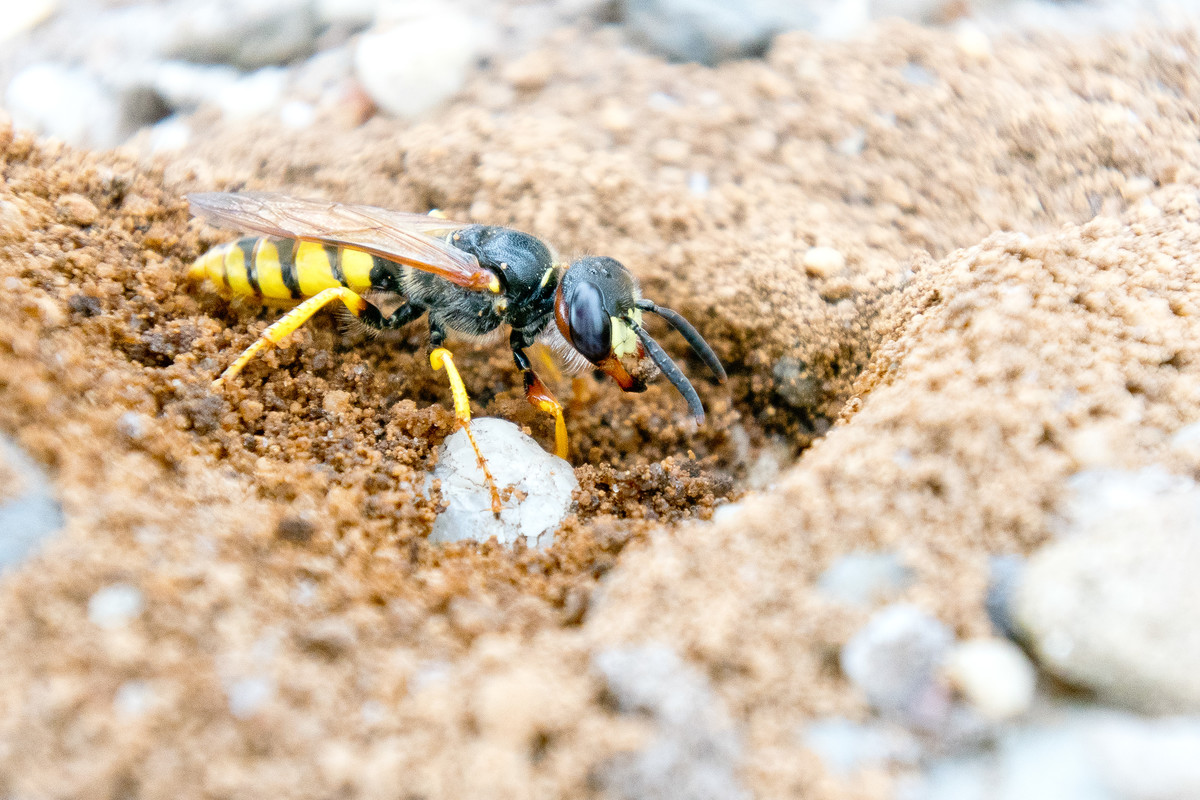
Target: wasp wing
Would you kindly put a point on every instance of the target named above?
(409, 239)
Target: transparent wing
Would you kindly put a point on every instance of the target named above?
(405, 238)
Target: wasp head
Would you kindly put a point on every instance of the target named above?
(598, 309)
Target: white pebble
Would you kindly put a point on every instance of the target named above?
(170, 135)
(115, 605)
(994, 676)
(134, 698)
(185, 85)
(821, 262)
(545, 481)
(66, 102)
(254, 94)
(419, 63)
(248, 695)
(863, 579)
(297, 115)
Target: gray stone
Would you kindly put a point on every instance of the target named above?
(846, 747)
(1148, 759)
(894, 660)
(248, 34)
(541, 483)
(30, 513)
(1076, 753)
(795, 385)
(1004, 575)
(864, 579)
(1112, 605)
(711, 31)
(695, 752)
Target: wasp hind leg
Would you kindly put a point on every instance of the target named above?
(289, 322)
(440, 358)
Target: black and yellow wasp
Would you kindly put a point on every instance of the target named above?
(468, 278)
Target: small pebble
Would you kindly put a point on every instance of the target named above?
(821, 262)
(134, 698)
(67, 102)
(420, 63)
(531, 71)
(249, 695)
(115, 606)
(254, 94)
(846, 747)
(994, 676)
(864, 579)
(671, 151)
(1004, 575)
(297, 115)
(541, 483)
(615, 117)
(76, 209)
(895, 658)
(972, 41)
(29, 513)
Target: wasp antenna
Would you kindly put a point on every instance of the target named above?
(692, 335)
(673, 372)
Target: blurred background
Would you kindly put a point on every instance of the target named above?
(97, 73)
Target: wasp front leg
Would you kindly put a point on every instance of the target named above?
(440, 358)
(538, 394)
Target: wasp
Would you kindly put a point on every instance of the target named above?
(389, 268)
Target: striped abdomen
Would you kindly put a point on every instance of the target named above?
(286, 269)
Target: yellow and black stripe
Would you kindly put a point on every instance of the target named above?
(287, 269)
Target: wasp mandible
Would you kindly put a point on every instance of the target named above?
(468, 278)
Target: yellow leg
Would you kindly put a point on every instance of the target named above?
(540, 397)
(440, 358)
(290, 322)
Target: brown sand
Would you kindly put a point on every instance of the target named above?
(273, 529)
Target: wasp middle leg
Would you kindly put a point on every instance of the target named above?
(440, 358)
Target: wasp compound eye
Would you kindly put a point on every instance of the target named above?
(588, 323)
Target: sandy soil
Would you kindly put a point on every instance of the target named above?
(299, 638)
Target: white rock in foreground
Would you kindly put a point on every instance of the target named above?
(1112, 604)
(541, 485)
